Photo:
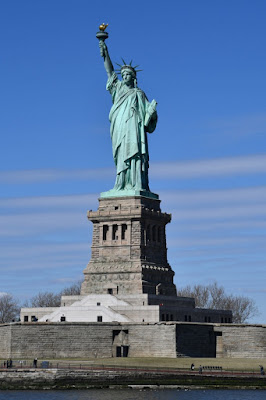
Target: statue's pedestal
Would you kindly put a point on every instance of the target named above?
(128, 253)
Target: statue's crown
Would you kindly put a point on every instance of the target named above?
(128, 66)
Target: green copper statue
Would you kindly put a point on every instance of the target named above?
(131, 117)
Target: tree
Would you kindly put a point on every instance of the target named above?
(9, 308)
(73, 290)
(50, 299)
(214, 296)
(44, 299)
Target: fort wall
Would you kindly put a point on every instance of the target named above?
(241, 341)
(5, 341)
(169, 339)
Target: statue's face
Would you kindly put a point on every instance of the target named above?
(128, 78)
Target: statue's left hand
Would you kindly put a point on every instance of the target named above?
(152, 108)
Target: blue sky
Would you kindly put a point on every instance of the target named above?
(204, 62)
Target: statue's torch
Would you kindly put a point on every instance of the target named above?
(102, 35)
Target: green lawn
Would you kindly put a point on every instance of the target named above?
(229, 364)
(225, 363)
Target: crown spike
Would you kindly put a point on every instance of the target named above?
(123, 61)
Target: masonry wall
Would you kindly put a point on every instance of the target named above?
(156, 340)
(59, 340)
(241, 341)
(5, 341)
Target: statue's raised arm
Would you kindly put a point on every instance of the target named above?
(107, 60)
(131, 117)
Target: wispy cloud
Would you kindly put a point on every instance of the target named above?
(218, 241)
(240, 126)
(46, 256)
(51, 202)
(236, 211)
(53, 175)
(253, 164)
(34, 223)
(222, 196)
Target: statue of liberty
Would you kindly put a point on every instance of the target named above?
(131, 117)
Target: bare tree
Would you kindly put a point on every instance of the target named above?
(9, 308)
(72, 290)
(50, 299)
(198, 292)
(214, 296)
(44, 299)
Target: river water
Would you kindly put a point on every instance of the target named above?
(133, 394)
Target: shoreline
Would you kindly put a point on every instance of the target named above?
(61, 379)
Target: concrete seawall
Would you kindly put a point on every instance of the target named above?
(95, 378)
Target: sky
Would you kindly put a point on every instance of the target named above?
(204, 62)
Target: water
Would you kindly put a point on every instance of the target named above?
(129, 394)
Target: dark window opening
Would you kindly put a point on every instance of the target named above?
(205, 319)
(222, 320)
(159, 234)
(63, 318)
(110, 291)
(171, 317)
(148, 235)
(185, 317)
(123, 231)
(122, 351)
(154, 233)
(34, 319)
(163, 317)
(105, 230)
(114, 233)
(229, 320)
(99, 318)
(225, 320)
(115, 333)
(116, 207)
(118, 351)
(189, 318)
(209, 319)
(125, 351)
(167, 317)
(26, 318)
(98, 304)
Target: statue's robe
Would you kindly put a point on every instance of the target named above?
(129, 135)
